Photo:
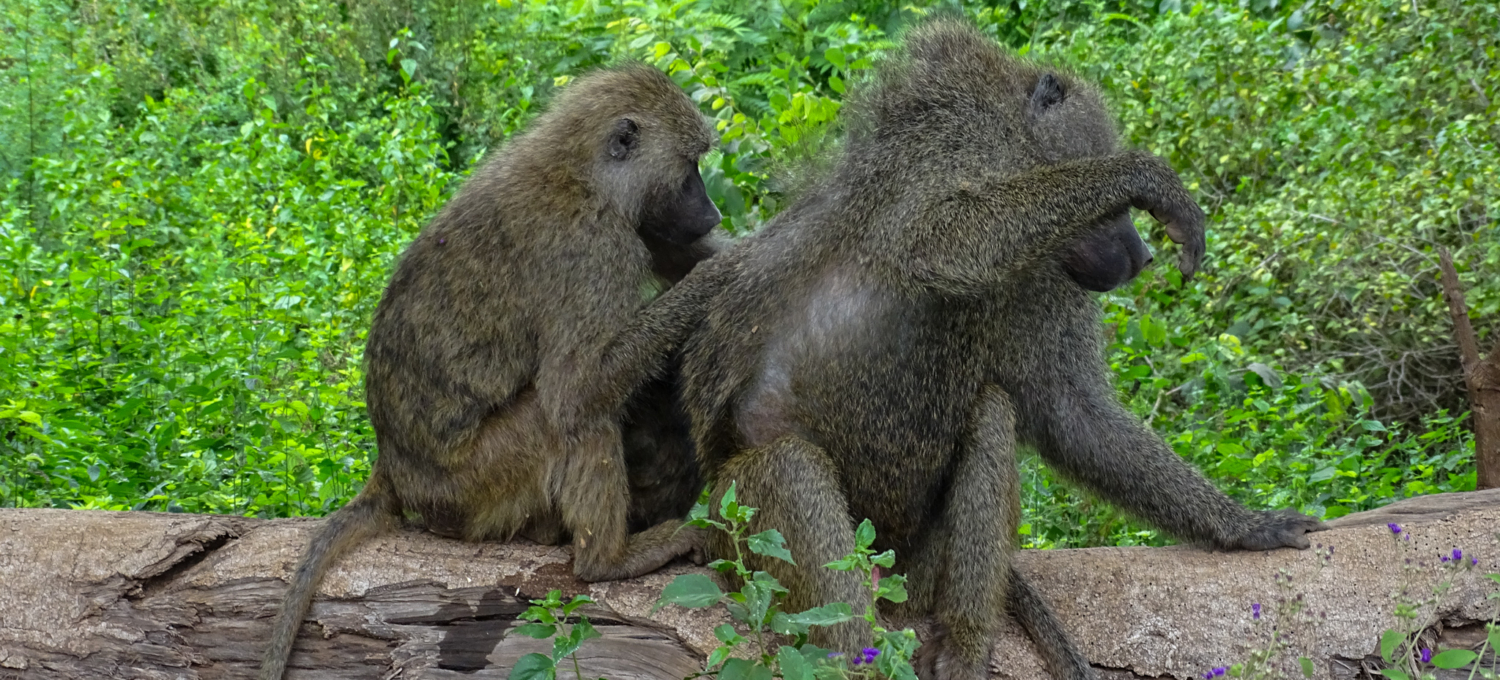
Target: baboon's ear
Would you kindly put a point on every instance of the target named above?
(1048, 93)
(623, 139)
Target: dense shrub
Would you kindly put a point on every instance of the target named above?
(202, 202)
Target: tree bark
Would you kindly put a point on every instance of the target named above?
(1481, 376)
(86, 594)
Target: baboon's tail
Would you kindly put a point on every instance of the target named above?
(371, 513)
(1064, 661)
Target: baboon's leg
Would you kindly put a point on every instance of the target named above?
(795, 489)
(979, 523)
(1063, 659)
(595, 502)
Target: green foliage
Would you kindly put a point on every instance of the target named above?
(549, 617)
(202, 201)
(757, 607)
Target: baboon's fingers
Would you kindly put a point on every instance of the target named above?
(1281, 529)
(1164, 196)
(1185, 228)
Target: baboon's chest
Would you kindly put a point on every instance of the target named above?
(881, 381)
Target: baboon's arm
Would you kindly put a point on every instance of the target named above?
(1092, 439)
(638, 350)
(971, 234)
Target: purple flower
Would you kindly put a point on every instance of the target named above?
(1474, 560)
(1330, 551)
(869, 654)
(1394, 527)
(1426, 655)
(1255, 611)
(1458, 555)
(1220, 671)
(1442, 558)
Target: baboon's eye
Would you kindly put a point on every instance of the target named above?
(623, 139)
(1048, 93)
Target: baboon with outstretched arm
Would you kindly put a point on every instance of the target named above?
(889, 340)
(515, 328)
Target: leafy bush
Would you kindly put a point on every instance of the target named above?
(202, 203)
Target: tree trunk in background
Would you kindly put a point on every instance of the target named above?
(1481, 376)
(92, 594)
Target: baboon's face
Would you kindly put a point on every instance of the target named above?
(685, 213)
(1068, 127)
(1109, 258)
(676, 207)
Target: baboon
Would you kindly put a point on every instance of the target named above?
(660, 463)
(515, 327)
(889, 340)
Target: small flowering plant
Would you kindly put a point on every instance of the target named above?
(1402, 647)
(897, 646)
(757, 607)
(1276, 628)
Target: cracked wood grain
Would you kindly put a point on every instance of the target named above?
(143, 595)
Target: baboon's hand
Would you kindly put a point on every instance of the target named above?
(1162, 194)
(698, 553)
(1278, 529)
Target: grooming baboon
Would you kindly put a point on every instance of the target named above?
(890, 338)
(660, 463)
(515, 327)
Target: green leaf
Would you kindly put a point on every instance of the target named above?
(782, 624)
(771, 544)
(717, 657)
(793, 666)
(893, 588)
(533, 667)
(1307, 666)
(693, 591)
(743, 669)
(540, 631)
(846, 564)
(1388, 643)
(1266, 374)
(1454, 658)
(563, 647)
(584, 630)
(728, 635)
(578, 601)
(835, 56)
(1230, 448)
(864, 535)
(826, 615)
(1394, 674)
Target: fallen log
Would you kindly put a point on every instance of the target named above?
(88, 594)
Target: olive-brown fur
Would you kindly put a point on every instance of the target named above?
(516, 327)
(888, 341)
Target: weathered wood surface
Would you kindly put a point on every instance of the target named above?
(144, 595)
